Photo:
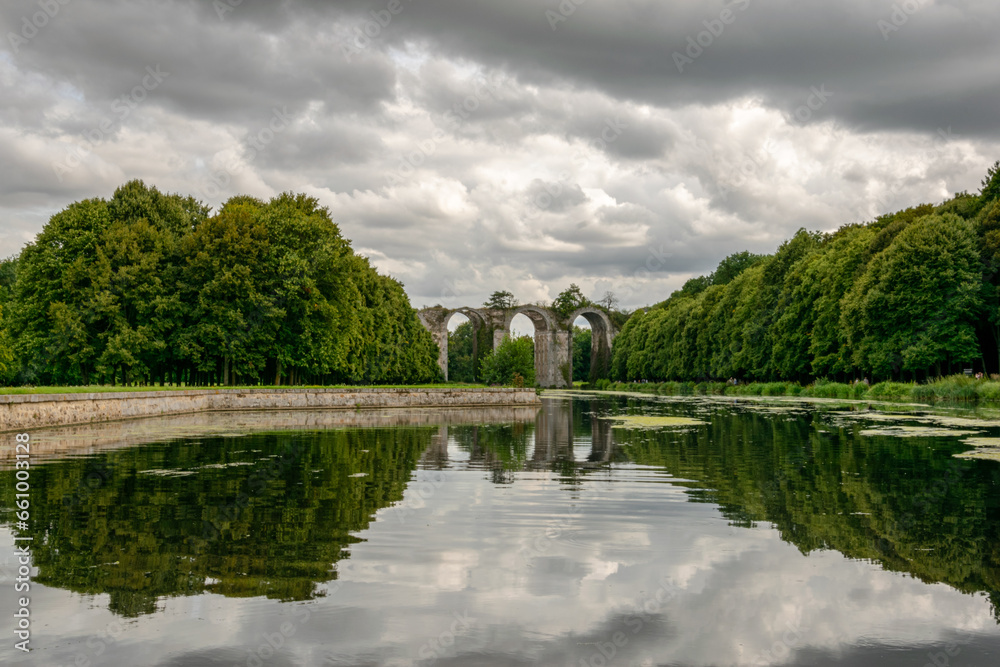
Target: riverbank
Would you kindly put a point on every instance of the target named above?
(952, 388)
(29, 411)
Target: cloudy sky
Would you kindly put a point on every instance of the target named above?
(474, 145)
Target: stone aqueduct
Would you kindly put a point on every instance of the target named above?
(553, 338)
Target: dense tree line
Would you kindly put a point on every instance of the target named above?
(150, 287)
(910, 295)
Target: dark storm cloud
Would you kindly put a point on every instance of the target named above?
(917, 64)
(219, 70)
(931, 70)
(317, 145)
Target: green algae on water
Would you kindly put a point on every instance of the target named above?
(653, 421)
(985, 448)
(915, 432)
(983, 442)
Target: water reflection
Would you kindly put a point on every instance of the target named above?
(240, 516)
(564, 438)
(540, 537)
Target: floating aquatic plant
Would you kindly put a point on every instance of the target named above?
(915, 431)
(985, 448)
(653, 421)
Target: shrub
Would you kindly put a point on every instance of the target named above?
(955, 388)
(827, 389)
(773, 389)
(988, 390)
(514, 356)
(859, 390)
(922, 392)
(891, 390)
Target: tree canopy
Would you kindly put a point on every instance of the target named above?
(582, 343)
(461, 362)
(501, 300)
(150, 287)
(569, 300)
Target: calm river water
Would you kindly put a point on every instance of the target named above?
(782, 533)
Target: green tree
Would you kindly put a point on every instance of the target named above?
(732, 266)
(230, 280)
(582, 340)
(569, 300)
(917, 303)
(54, 270)
(514, 356)
(8, 279)
(990, 191)
(988, 231)
(833, 273)
(501, 300)
(461, 365)
(693, 286)
(6, 350)
(148, 287)
(395, 347)
(625, 347)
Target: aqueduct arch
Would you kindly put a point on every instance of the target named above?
(553, 338)
(484, 321)
(553, 348)
(602, 334)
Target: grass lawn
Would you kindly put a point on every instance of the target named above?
(108, 388)
(951, 388)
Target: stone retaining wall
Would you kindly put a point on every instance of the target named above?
(20, 412)
(88, 439)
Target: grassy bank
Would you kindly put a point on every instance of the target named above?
(952, 388)
(94, 389)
